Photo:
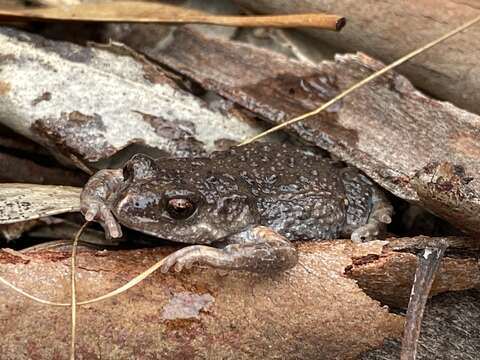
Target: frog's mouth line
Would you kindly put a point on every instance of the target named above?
(213, 235)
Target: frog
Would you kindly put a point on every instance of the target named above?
(238, 209)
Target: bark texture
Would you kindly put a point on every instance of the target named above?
(388, 276)
(309, 312)
(90, 104)
(315, 310)
(388, 30)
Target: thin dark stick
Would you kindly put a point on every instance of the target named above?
(428, 264)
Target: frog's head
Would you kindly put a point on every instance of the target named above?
(182, 200)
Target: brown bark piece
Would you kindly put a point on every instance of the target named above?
(388, 276)
(445, 189)
(309, 312)
(388, 30)
(386, 128)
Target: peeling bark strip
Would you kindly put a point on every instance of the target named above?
(309, 312)
(90, 102)
(387, 128)
(22, 202)
(387, 276)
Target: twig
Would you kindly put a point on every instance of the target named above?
(150, 12)
(428, 264)
(364, 81)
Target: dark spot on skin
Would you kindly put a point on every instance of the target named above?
(46, 96)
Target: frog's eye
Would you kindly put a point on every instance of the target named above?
(180, 208)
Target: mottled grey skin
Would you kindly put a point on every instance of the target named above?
(251, 199)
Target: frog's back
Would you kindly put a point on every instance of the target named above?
(299, 194)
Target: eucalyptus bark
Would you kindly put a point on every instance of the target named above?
(388, 30)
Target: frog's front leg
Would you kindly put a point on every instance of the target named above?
(258, 249)
(380, 215)
(96, 197)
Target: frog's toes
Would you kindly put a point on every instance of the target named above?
(384, 215)
(186, 258)
(99, 212)
(365, 233)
